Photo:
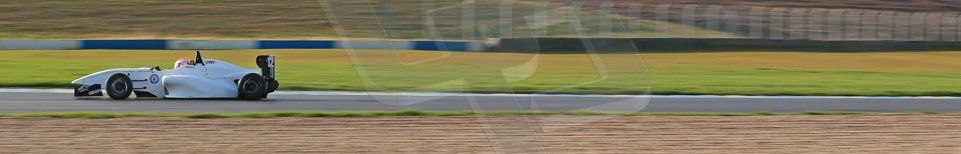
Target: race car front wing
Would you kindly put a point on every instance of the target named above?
(87, 90)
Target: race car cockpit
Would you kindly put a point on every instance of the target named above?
(182, 62)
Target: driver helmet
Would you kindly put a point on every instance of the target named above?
(181, 63)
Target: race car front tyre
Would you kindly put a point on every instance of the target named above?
(252, 87)
(119, 87)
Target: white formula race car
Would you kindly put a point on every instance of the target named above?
(198, 78)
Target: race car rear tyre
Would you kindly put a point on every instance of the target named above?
(251, 87)
(119, 87)
(272, 85)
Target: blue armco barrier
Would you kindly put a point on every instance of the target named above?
(123, 44)
(374, 45)
(295, 44)
(211, 44)
(440, 46)
(39, 44)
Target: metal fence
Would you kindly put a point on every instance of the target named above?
(692, 20)
(476, 20)
(815, 23)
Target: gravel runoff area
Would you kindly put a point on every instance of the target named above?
(557, 134)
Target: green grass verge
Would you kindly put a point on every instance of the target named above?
(410, 113)
(723, 73)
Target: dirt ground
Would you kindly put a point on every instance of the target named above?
(557, 134)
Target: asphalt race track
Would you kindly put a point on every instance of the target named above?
(24, 101)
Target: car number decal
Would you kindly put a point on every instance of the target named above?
(154, 78)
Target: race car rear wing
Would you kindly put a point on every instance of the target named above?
(266, 64)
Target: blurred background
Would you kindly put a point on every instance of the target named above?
(408, 19)
(745, 47)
